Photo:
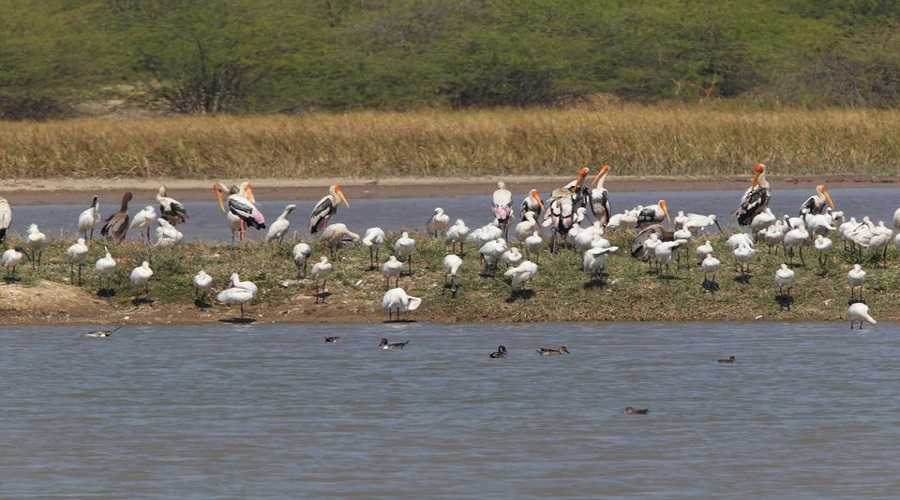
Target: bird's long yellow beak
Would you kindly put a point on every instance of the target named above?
(248, 192)
(217, 190)
(536, 196)
(664, 205)
(828, 198)
(342, 197)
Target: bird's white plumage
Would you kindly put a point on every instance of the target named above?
(167, 235)
(105, 265)
(141, 275)
(202, 280)
(521, 274)
(280, 226)
(77, 253)
(397, 300)
(373, 236)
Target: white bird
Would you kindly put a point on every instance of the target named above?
(11, 259)
(457, 234)
(490, 254)
(897, 241)
(502, 206)
(167, 235)
(451, 265)
(75, 256)
(5, 218)
(521, 274)
(533, 245)
(405, 247)
(36, 242)
(784, 278)
(526, 227)
(743, 254)
(856, 278)
(202, 282)
(247, 285)
(373, 239)
(396, 300)
(859, 313)
(140, 276)
(737, 239)
(105, 266)
(663, 252)
(710, 266)
(624, 220)
(486, 233)
(89, 218)
(897, 219)
(704, 250)
(438, 223)
(336, 236)
(235, 296)
(512, 257)
(320, 272)
(701, 222)
(823, 249)
(818, 223)
(593, 262)
(774, 235)
(798, 237)
(144, 220)
(762, 221)
(881, 239)
(682, 234)
(392, 268)
(279, 228)
(647, 253)
(301, 253)
(585, 237)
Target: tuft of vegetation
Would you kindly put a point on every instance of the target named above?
(559, 292)
(211, 56)
(634, 139)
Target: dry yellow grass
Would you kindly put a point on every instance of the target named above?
(637, 140)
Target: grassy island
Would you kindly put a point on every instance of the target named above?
(559, 292)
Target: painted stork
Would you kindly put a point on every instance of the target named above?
(170, 209)
(756, 198)
(326, 208)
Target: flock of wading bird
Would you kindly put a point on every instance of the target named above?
(659, 238)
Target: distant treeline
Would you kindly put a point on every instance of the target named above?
(265, 56)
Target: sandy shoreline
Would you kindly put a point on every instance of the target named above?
(76, 191)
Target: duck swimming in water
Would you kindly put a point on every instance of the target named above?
(549, 351)
(729, 359)
(101, 334)
(500, 352)
(392, 346)
(630, 410)
(332, 340)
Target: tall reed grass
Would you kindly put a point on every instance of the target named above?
(636, 140)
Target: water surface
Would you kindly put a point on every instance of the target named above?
(808, 411)
(208, 223)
